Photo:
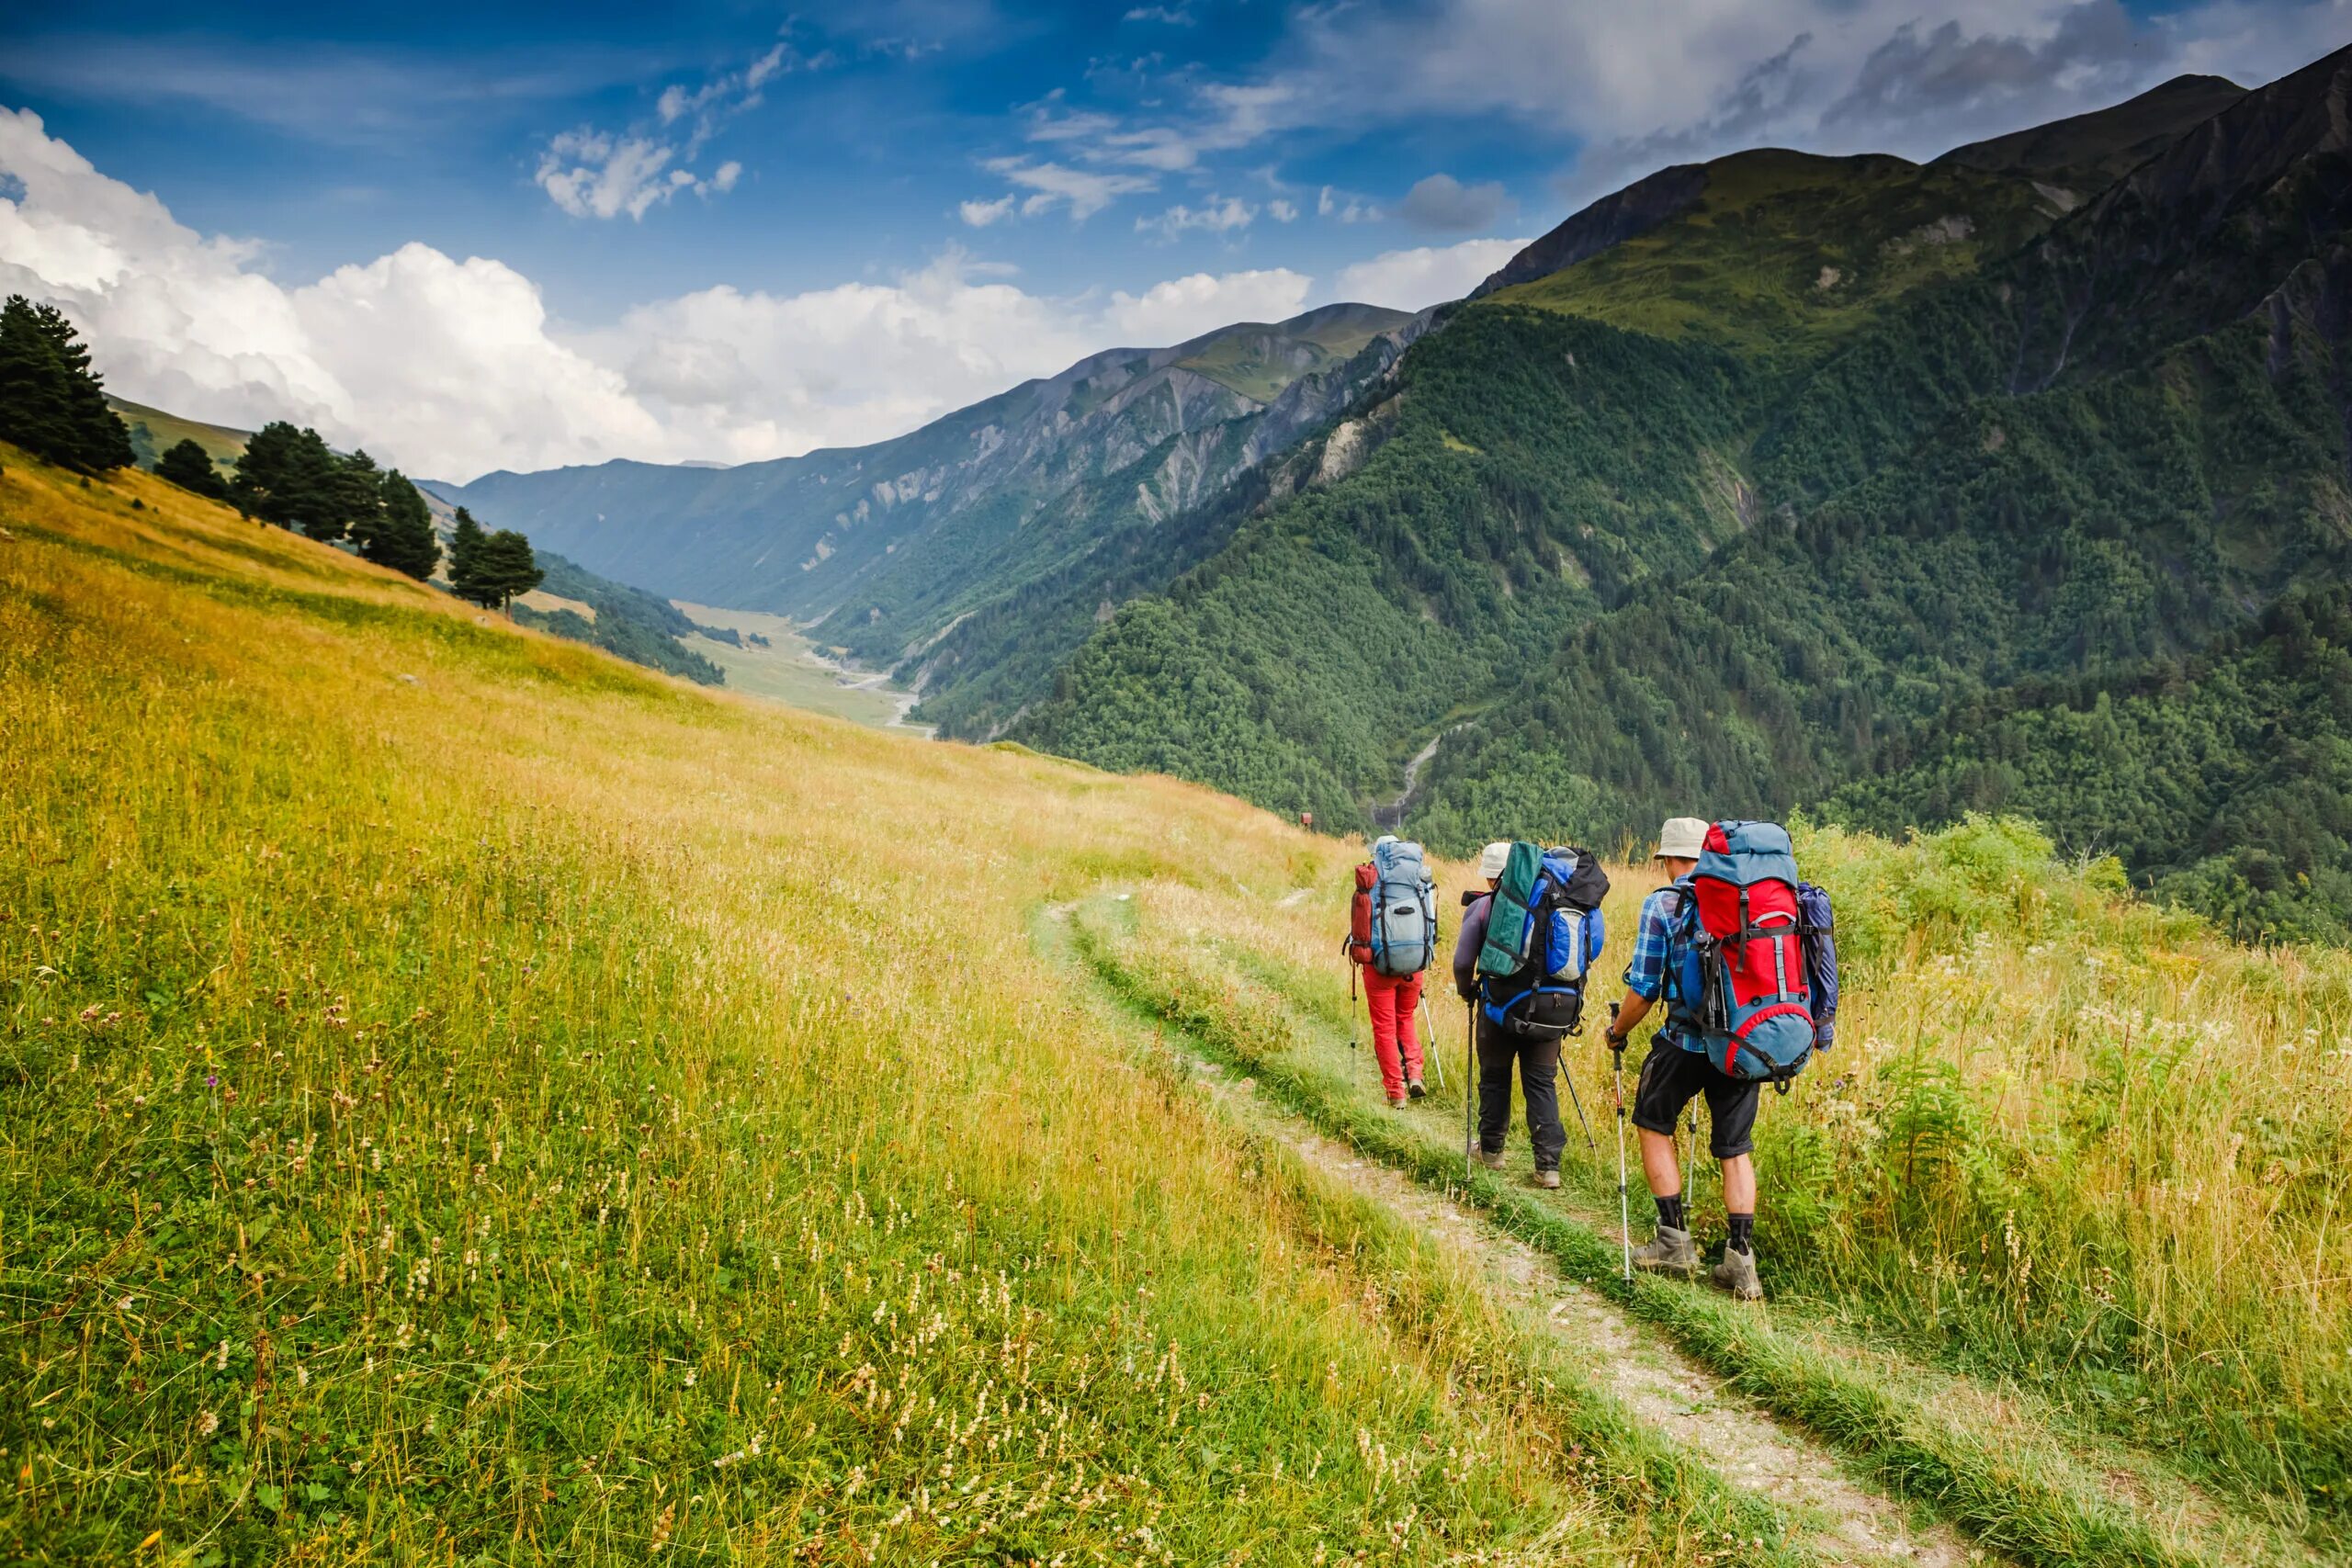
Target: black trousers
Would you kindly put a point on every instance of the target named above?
(1539, 1071)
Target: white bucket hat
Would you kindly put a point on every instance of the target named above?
(1682, 838)
(1493, 858)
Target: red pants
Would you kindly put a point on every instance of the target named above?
(1393, 1003)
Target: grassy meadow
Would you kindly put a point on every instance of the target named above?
(2072, 1152)
(464, 1098)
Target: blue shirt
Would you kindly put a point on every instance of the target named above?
(1656, 949)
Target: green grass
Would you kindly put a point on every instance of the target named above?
(223, 445)
(1787, 254)
(788, 671)
(2030, 1479)
(516, 1114)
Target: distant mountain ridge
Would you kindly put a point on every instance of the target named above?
(1749, 508)
(807, 535)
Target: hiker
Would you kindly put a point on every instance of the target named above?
(1525, 988)
(1674, 954)
(1392, 931)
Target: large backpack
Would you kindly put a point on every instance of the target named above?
(1543, 930)
(1756, 979)
(1392, 921)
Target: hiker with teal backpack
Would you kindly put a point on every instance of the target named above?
(1392, 931)
(1526, 946)
(1743, 952)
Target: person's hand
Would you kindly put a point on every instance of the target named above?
(1825, 1033)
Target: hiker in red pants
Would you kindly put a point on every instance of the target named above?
(1393, 1001)
(1392, 927)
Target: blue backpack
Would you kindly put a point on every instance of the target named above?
(1543, 930)
(1399, 909)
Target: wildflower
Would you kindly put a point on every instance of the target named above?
(207, 1424)
(212, 1080)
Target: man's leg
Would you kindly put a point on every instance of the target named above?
(1408, 1032)
(1539, 1077)
(1494, 1058)
(1380, 999)
(1730, 1116)
(1666, 1086)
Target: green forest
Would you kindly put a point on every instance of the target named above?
(2056, 524)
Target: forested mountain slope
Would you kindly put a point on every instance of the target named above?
(896, 539)
(1730, 517)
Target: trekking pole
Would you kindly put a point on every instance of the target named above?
(1469, 1084)
(1569, 1079)
(1624, 1209)
(1351, 1004)
(1437, 1060)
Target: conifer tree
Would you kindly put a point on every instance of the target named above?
(465, 548)
(287, 477)
(401, 537)
(51, 403)
(503, 570)
(189, 466)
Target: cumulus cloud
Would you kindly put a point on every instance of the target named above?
(1184, 307)
(1282, 210)
(1441, 201)
(1222, 215)
(1084, 192)
(1415, 279)
(981, 214)
(450, 368)
(1336, 204)
(597, 173)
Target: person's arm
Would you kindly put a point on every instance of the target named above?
(1467, 946)
(1644, 973)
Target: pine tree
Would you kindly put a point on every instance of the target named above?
(189, 466)
(354, 500)
(51, 403)
(287, 477)
(465, 548)
(402, 538)
(33, 412)
(503, 569)
(100, 440)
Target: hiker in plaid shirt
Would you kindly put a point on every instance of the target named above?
(1675, 1072)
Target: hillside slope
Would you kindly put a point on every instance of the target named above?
(463, 1095)
(1955, 434)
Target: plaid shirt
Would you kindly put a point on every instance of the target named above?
(1655, 952)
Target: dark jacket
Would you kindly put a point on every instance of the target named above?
(1467, 946)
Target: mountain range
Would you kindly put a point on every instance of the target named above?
(1886, 489)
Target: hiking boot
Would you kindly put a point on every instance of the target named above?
(1736, 1273)
(1547, 1180)
(1416, 1089)
(1671, 1253)
(1396, 1102)
(1492, 1162)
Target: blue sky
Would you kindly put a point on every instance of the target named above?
(737, 231)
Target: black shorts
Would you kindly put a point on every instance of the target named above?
(1671, 1076)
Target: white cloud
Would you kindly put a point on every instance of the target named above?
(1184, 307)
(981, 214)
(591, 174)
(1221, 216)
(1282, 211)
(450, 367)
(1084, 191)
(1173, 15)
(1346, 208)
(596, 173)
(1441, 201)
(1415, 279)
